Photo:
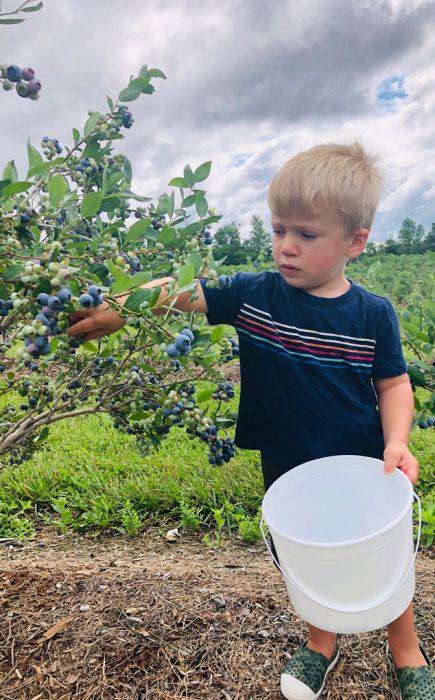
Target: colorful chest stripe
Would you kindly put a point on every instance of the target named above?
(303, 344)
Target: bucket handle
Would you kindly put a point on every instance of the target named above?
(320, 602)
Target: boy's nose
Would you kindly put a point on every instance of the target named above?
(289, 246)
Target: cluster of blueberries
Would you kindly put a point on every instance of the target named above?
(224, 392)
(220, 450)
(26, 85)
(207, 237)
(126, 116)
(5, 306)
(51, 146)
(51, 305)
(230, 350)
(182, 344)
(428, 423)
(135, 264)
(92, 297)
(86, 168)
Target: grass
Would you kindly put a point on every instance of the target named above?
(90, 477)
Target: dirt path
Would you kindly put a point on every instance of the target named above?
(147, 618)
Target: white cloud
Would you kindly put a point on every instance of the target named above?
(249, 85)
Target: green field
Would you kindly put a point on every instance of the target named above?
(90, 477)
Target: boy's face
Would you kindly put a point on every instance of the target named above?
(311, 253)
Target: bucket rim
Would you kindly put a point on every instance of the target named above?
(358, 540)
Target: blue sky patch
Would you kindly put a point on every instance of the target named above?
(392, 89)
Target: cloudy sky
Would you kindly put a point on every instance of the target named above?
(249, 84)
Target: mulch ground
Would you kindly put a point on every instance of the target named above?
(143, 618)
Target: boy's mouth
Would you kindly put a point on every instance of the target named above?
(289, 268)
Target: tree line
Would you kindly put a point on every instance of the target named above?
(257, 247)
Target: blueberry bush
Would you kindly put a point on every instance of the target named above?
(23, 80)
(72, 234)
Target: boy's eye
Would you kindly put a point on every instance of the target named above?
(307, 234)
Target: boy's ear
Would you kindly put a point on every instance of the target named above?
(358, 242)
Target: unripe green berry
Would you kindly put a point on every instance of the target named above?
(7, 84)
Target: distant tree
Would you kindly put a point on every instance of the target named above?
(411, 236)
(258, 245)
(228, 243)
(428, 243)
(392, 246)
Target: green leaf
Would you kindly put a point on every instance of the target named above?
(43, 435)
(128, 173)
(188, 176)
(91, 347)
(10, 172)
(201, 205)
(121, 284)
(33, 8)
(204, 395)
(91, 123)
(91, 203)
(186, 275)
(154, 296)
(44, 168)
(178, 182)
(16, 188)
(134, 89)
(140, 278)
(110, 103)
(76, 136)
(137, 298)
(166, 236)
(137, 231)
(11, 21)
(202, 172)
(56, 189)
(92, 149)
(188, 201)
(417, 377)
(156, 73)
(171, 205)
(114, 179)
(217, 334)
(195, 260)
(3, 184)
(11, 272)
(33, 155)
(128, 95)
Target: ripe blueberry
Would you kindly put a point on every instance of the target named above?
(14, 73)
(28, 73)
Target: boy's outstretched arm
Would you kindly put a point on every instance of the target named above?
(396, 408)
(103, 320)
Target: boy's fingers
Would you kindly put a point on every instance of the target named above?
(81, 327)
(78, 315)
(94, 334)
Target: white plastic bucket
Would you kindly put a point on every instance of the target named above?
(342, 530)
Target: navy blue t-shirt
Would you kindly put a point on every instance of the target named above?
(307, 365)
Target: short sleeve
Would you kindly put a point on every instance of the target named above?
(388, 360)
(224, 304)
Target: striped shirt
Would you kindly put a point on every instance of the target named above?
(307, 365)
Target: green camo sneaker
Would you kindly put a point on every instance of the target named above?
(417, 682)
(305, 674)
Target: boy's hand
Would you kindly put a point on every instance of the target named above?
(95, 322)
(398, 455)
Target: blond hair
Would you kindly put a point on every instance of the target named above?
(344, 177)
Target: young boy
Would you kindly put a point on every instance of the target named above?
(322, 369)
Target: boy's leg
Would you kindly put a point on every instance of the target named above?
(403, 641)
(321, 641)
